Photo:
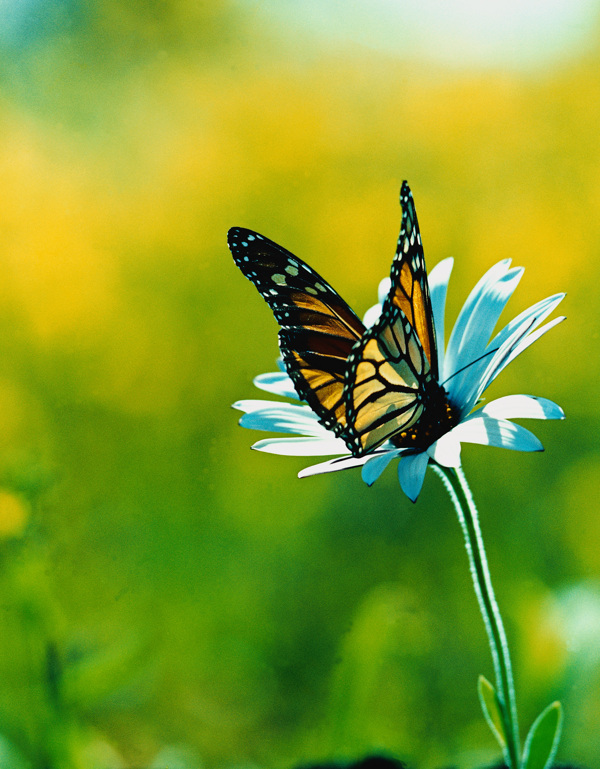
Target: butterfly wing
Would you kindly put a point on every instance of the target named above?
(409, 290)
(392, 372)
(386, 383)
(318, 329)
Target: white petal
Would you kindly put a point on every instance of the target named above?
(277, 383)
(527, 340)
(302, 447)
(506, 353)
(489, 431)
(332, 465)
(376, 464)
(411, 474)
(251, 404)
(483, 288)
(383, 289)
(285, 418)
(439, 275)
(540, 309)
(475, 324)
(521, 407)
(446, 450)
(257, 404)
(372, 315)
(438, 287)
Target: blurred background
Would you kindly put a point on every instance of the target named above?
(170, 598)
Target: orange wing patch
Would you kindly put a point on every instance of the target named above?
(410, 291)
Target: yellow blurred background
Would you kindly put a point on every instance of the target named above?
(170, 598)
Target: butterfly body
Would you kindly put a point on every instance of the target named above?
(438, 418)
(368, 386)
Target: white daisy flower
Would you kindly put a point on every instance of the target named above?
(468, 365)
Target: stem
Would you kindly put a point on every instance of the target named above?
(456, 484)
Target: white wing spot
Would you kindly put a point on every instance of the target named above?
(244, 244)
(250, 237)
(278, 278)
(311, 290)
(320, 287)
(291, 270)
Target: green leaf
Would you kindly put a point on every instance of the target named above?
(543, 737)
(492, 710)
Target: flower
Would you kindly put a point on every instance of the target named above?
(467, 366)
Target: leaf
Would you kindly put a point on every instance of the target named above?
(543, 737)
(492, 710)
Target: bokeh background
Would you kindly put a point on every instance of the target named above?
(167, 596)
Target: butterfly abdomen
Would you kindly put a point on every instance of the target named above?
(437, 418)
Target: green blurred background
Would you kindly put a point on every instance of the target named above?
(170, 598)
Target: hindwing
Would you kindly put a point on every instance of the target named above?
(386, 384)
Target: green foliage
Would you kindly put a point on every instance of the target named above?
(492, 710)
(543, 738)
(160, 584)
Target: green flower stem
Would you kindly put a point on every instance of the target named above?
(456, 484)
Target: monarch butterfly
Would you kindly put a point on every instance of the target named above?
(367, 385)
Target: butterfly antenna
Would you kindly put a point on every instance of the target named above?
(460, 370)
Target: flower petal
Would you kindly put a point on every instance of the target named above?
(489, 431)
(438, 287)
(411, 474)
(383, 289)
(521, 407)
(332, 465)
(302, 447)
(542, 309)
(446, 450)
(251, 404)
(285, 418)
(278, 383)
(376, 464)
(372, 315)
(475, 325)
(500, 351)
(507, 352)
(522, 344)
(257, 404)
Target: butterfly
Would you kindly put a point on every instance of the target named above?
(368, 386)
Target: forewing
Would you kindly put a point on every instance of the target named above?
(318, 329)
(410, 290)
(387, 371)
